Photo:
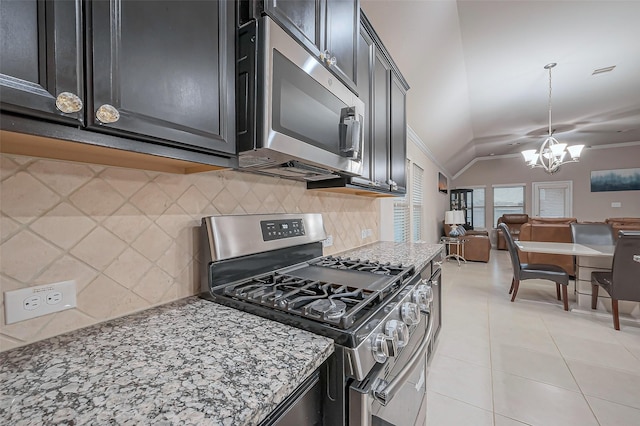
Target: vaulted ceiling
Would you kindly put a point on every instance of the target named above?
(477, 77)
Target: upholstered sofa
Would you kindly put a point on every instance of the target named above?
(623, 224)
(514, 222)
(477, 245)
(550, 230)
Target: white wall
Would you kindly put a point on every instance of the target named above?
(587, 205)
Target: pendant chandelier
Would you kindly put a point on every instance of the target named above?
(552, 153)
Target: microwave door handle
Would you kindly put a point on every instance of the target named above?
(386, 394)
(350, 135)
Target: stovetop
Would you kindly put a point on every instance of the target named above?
(330, 290)
(272, 266)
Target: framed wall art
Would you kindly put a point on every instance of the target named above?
(615, 180)
(442, 183)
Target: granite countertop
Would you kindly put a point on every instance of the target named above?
(417, 254)
(189, 362)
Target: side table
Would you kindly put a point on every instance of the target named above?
(455, 248)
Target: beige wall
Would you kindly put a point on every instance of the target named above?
(587, 205)
(127, 236)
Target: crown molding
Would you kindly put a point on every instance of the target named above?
(413, 137)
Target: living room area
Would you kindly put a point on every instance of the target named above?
(540, 207)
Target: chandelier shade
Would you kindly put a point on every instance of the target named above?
(552, 154)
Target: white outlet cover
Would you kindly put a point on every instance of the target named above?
(328, 242)
(31, 302)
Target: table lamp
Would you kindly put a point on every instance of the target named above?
(454, 218)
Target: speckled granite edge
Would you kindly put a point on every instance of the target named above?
(416, 254)
(188, 362)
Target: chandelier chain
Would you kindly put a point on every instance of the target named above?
(550, 101)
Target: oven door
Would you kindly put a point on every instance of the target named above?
(394, 393)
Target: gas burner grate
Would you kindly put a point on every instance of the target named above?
(360, 265)
(339, 305)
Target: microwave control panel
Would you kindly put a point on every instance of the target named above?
(279, 229)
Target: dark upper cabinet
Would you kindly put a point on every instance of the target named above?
(164, 70)
(327, 28)
(389, 147)
(159, 74)
(366, 51)
(398, 141)
(380, 116)
(341, 37)
(383, 90)
(41, 59)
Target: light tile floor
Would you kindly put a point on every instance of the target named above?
(528, 362)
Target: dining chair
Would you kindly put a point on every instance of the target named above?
(530, 271)
(592, 233)
(623, 281)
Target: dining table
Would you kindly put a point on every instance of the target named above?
(589, 258)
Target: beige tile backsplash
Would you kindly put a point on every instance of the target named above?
(127, 237)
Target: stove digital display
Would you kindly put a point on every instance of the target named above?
(278, 229)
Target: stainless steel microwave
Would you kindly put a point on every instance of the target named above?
(295, 119)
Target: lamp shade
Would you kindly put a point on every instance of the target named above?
(454, 217)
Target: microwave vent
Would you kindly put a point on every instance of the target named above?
(300, 171)
(247, 160)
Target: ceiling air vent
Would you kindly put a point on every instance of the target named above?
(603, 70)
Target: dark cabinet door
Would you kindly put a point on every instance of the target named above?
(327, 28)
(41, 58)
(380, 115)
(341, 38)
(398, 151)
(366, 53)
(163, 70)
(301, 18)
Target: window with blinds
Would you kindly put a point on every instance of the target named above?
(401, 216)
(553, 199)
(401, 221)
(478, 208)
(507, 200)
(416, 202)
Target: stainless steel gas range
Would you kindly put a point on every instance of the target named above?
(378, 314)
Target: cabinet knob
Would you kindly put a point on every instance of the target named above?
(327, 58)
(68, 102)
(107, 114)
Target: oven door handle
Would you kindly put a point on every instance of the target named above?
(386, 394)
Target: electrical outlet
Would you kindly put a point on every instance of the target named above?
(328, 242)
(369, 232)
(31, 302)
(616, 204)
(363, 234)
(54, 297)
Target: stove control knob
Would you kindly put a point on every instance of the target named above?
(410, 313)
(383, 347)
(398, 331)
(423, 296)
